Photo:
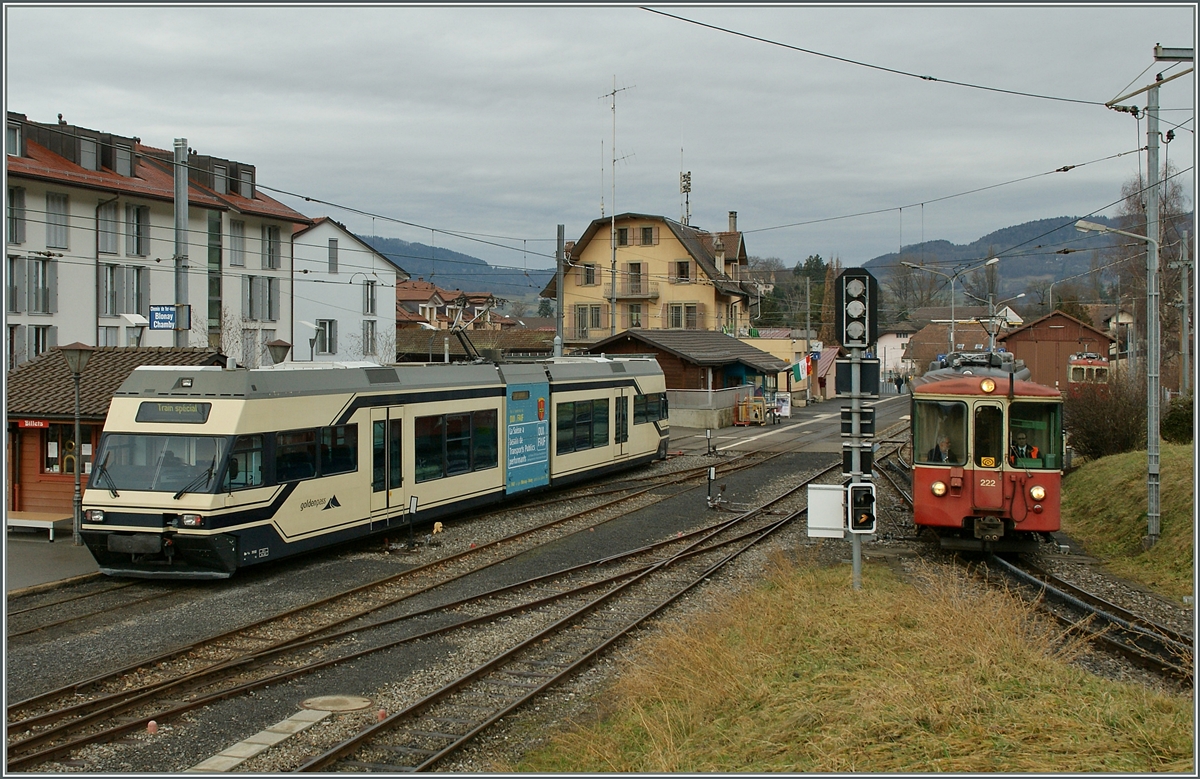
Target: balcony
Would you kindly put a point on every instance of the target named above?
(633, 288)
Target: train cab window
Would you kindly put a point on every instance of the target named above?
(295, 455)
(158, 463)
(245, 468)
(649, 408)
(1078, 373)
(339, 449)
(989, 436)
(1041, 425)
(933, 420)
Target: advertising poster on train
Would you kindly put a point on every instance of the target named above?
(528, 436)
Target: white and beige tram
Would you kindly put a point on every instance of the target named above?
(204, 470)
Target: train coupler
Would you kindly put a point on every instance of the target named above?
(989, 528)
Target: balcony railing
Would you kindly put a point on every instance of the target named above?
(633, 288)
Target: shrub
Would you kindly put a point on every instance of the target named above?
(1176, 425)
(1104, 419)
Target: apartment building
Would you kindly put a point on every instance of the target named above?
(91, 257)
(668, 276)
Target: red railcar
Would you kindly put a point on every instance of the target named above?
(1087, 371)
(998, 487)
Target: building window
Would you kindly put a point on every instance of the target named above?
(124, 161)
(587, 318)
(237, 243)
(137, 231)
(333, 255)
(587, 275)
(622, 236)
(59, 453)
(270, 247)
(649, 236)
(13, 140)
(368, 336)
(41, 340)
(112, 290)
(369, 297)
(683, 271)
(89, 159)
(326, 336)
(16, 284)
(16, 215)
(220, 180)
(635, 279)
(260, 298)
(107, 228)
(41, 287)
(56, 221)
(684, 316)
(137, 287)
(635, 315)
(108, 336)
(246, 186)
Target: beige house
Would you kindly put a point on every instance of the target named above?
(668, 276)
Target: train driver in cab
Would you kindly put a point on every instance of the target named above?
(941, 453)
(1021, 448)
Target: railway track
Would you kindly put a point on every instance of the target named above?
(49, 725)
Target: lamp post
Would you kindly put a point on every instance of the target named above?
(1153, 510)
(77, 355)
(992, 315)
(952, 276)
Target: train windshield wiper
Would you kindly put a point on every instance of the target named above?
(203, 478)
(102, 471)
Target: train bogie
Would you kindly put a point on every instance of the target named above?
(201, 471)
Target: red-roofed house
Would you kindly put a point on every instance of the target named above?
(91, 251)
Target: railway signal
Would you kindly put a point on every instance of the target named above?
(857, 304)
(861, 508)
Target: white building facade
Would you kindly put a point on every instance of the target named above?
(344, 306)
(90, 247)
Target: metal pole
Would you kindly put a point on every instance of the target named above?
(613, 239)
(856, 456)
(560, 257)
(181, 237)
(77, 501)
(953, 340)
(1153, 512)
(807, 342)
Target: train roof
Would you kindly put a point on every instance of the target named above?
(292, 379)
(969, 385)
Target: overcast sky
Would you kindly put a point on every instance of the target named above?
(495, 120)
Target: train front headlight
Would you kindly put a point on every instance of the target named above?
(988, 386)
(94, 515)
(938, 488)
(191, 520)
(1037, 492)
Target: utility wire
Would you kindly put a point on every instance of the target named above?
(869, 65)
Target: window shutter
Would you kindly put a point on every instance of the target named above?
(333, 336)
(366, 298)
(143, 282)
(656, 235)
(273, 300)
(119, 292)
(260, 297)
(265, 258)
(246, 311)
(51, 337)
(701, 322)
(665, 316)
(18, 286)
(18, 207)
(130, 232)
(52, 285)
(333, 255)
(21, 346)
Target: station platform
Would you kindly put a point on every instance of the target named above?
(32, 560)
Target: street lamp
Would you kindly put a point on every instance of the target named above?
(278, 349)
(952, 276)
(77, 355)
(1153, 510)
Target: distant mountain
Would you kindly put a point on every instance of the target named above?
(454, 270)
(1031, 252)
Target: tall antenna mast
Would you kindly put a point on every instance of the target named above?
(601, 178)
(612, 303)
(685, 189)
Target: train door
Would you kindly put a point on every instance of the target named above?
(621, 421)
(387, 464)
(987, 453)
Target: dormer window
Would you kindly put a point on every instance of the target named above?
(124, 160)
(12, 140)
(246, 184)
(89, 157)
(220, 179)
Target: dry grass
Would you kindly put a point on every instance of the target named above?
(807, 675)
(1104, 507)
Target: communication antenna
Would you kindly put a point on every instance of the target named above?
(685, 189)
(613, 230)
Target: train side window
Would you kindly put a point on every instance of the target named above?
(622, 420)
(339, 449)
(378, 455)
(639, 410)
(458, 444)
(395, 463)
(600, 423)
(485, 446)
(989, 436)
(295, 455)
(245, 469)
(428, 436)
(583, 425)
(564, 414)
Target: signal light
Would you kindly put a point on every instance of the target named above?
(861, 508)
(857, 304)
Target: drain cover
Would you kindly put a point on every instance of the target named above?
(336, 703)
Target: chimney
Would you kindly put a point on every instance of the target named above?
(733, 221)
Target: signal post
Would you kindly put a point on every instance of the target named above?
(857, 318)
